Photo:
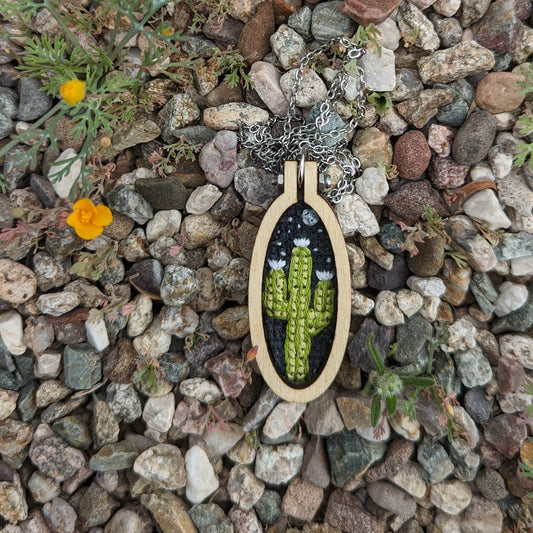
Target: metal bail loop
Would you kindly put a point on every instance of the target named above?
(301, 169)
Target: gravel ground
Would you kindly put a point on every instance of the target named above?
(127, 400)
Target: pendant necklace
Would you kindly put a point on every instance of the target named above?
(299, 288)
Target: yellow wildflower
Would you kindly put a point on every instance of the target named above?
(73, 91)
(89, 220)
(168, 31)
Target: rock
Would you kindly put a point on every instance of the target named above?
(256, 186)
(17, 282)
(158, 412)
(466, 239)
(201, 389)
(209, 517)
(130, 203)
(64, 173)
(55, 458)
(412, 21)
(430, 257)
(513, 192)
(254, 39)
(510, 375)
(365, 13)
(355, 411)
(60, 515)
(312, 89)
(398, 454)
(478, 406)
(74, 430)
(278, 465)
(288, 46)
(474, 138)
(232, 324)
(434, 460)
(345, 511)
(448, 29)
(199, 230)
(424, 106)
(244, 521)
(460, 61)
(233, 116)
(163, 194)
(302, 500)
(282, 419)
(379, 69)
(265, 78)
(218, 158)
(8, 402)
(147, 275)
(114, 456)
(354, 215)
(328, 22)
(427, 287)
(484, 207)
(499, 92)
(162, 464)
(411, 339)
(394, 278)
(202, 199)
(452, 497)
(244, 488)
(50, 272)
(392, 498)
(505, 434)
(179, 285)
(14, 436)
(322, 416)
(373, 148)
(57, 303)
(169, 511)
(445, 173)
(491, 484)
(82, 366)
(268, 507)
(500, 29)
(33, 102)
(165, 223)
(221, 438)
(411, 154)
(125, 520)
(409, 200)
(261, 409)
(42, 488)
(349, 455)
(227, 31)
(96, 331)
(482, 515)
(11, 332)
(154, 342)
(179, 111)
(473, 368)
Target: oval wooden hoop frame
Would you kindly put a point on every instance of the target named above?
(255, 291)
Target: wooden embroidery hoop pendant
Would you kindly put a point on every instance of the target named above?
(305, 174)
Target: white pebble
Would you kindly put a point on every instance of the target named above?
(47, 365)
(484, 207)
(373, 186)
(11, 332)
(201, 478)
(387, 311)
(96, 330)
(164, 224)
(429, 287)
(512, 296)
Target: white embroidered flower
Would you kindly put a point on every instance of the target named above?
(276, 264)
(324, 275)
(301, 243)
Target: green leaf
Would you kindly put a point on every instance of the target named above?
(418, 381)
(375, 410)
(391, 402)
(374, 353)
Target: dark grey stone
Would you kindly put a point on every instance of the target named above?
(33, 103)
(210, 518)
(163, 193)
(411, 339)
(474, 138)
(147, 275)
(82, 366)
(395, 278)
(358, 350)
(478, 406)
(268, 507)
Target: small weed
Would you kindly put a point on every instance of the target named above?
(149, 375)
(164, 160)
(440, 336)
(382, 101)
(429, 227)
(207, 12)
(231, 63)
(388, 384)
(458, 257)
(111, 85)
(93, 265)
(367, 34)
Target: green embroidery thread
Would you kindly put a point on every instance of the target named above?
(289, 299)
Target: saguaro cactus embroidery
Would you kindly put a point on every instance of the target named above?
(289, 298)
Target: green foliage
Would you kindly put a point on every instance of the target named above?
(149, 375)
(382, 101)
(440, 336)
(207, 12)
(428, 227)
(458, 257)
(367, 34)
(165, 159)
(524, 150)
(388, 384)
(93, 265)
(112, 84)
(231, 63)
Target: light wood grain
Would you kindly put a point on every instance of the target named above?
(255, 296)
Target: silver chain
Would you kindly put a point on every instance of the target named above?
(287, 138)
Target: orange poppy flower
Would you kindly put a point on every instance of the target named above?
(73, 91)
(89, 220)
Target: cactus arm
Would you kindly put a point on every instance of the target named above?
(323, 307)
(275, 300)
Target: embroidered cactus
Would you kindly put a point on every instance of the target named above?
(289, 298)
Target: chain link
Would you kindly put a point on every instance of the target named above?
(286, 138)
